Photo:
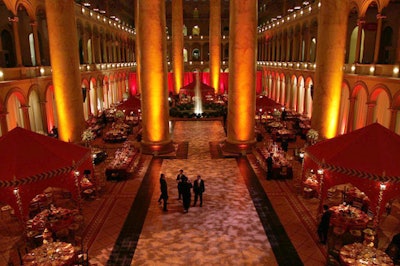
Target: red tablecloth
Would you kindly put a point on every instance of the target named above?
(348, 217)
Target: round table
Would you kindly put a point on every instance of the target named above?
(54, 253)
(359, 254)
(348, 217)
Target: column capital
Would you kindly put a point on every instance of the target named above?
(13, 19)
(360, 21)
(380, 16)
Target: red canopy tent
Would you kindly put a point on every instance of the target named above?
(266, 104)
(188, 90)
(132, 104)
(367, 158)
(31, 162)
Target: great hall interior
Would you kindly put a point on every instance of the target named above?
(287, 109)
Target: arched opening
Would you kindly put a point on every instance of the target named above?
(344, 110)
(35, 113)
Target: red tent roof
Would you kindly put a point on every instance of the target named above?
(132, 104)
(189, 89)
(372, 152)
(27, 156)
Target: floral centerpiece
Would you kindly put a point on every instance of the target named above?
(119, 115)
(312, 136)
(88, 136)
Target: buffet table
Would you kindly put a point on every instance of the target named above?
(360, 254)
(54, 253)
(279, 162)
(119, 167)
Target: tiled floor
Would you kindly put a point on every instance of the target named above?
(227, 230)
(245, 219)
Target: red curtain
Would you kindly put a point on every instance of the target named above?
(189, 78)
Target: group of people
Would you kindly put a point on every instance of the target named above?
(184, 190)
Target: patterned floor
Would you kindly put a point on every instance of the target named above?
(245, 219)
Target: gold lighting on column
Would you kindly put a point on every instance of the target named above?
(153, 77)
(63, 42)
(215, 43)
(242, 76)
(177, 44)
(333, 17)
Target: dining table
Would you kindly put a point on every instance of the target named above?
(52, 253)
(358, 254)
(348, 217)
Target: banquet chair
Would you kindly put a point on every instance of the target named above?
(357, 204)
(283, 172)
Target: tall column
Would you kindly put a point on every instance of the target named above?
(360, 24)
(307, 47)
(63, 42)
(137, 49)
(25, 113)
(3, 123)
(43, 111)
(36, 41)
(350, 122)
(17, 42)
(153, 77)
(379, 17)
(242, 76)
(215, 43)
(177, 44)
(333, 18)
(370, 113)
(393, 116)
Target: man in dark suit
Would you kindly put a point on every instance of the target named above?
(180, 177)
(186, 187)
(198, 189)
(164, 192)
(323, 226)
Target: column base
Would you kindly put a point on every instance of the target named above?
(238, 148)
(157, 148)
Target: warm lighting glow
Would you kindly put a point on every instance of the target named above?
(372, 69)
(353, 68)
(15, 191)
(383, 186)
(320, 171)
(301, 155)
(76, 173)
(396, 70)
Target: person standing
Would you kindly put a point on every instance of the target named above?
(186, 186)
(323, 226)
(180, 177)
(164, 192)
(198, 189)
(270, 164)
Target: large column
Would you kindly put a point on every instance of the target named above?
(153, 77)
(215, 43)
(360, 25)
(63, 42)
(177, 44)
(137, 49)
(242, 76)
(332, 27)
(17, 42)
(36, 41)
(379, 17)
